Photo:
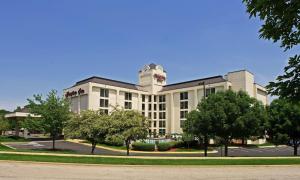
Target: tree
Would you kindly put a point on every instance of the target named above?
(4, 125)
(128, 125)
(284, 124)
(89, 125)
(281, 20)
(228, 115)
(199, 124)
(281, 23)
(54, 112)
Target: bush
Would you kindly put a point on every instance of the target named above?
(139, 146)
(165, 146)
(114, 142)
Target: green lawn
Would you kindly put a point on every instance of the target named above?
(132, 161)
(4, 148)
(12, 139)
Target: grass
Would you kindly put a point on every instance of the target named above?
(4, 148)
(12, 139)
(113, 147)
(133, 161)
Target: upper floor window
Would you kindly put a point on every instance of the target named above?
(150, 98)
(184, 96)
(210, 91)
(128, 105)
(104, 93)
(162, 98)
(143, 98)
(128, 96)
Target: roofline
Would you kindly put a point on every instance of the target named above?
(106, 80)
(202, 79)
(240, 71)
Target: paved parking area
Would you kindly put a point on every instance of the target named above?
(83, 149)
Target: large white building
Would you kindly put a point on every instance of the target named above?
(165, 105)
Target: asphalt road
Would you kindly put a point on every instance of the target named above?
(83, 149)
(38, 171)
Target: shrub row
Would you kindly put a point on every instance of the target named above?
(139, 146)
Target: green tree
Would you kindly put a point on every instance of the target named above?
(281, 23)
(128, 125)
(199, 124)
(54, 112)
(281, 20)
(229, 115)
(89, 125)
(4, 125)
(284, 123)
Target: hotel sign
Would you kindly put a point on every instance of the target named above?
(74, 93)
(159, 78)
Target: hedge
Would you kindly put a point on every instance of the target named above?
(165, 146)
(139, 146)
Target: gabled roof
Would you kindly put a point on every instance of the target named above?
(193, 83)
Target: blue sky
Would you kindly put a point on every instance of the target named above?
(51, 44)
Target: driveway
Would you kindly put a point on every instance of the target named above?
(83, 149)
(38, 171)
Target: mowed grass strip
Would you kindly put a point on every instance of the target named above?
(133, 161)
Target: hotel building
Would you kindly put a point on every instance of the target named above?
(166, 105)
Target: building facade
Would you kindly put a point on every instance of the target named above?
(165, 105)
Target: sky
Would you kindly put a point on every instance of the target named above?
(51, 44)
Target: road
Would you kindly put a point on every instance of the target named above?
(83, 149)
(38, 171)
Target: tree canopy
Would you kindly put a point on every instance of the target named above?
(89, 125)
(284, 123)
(281, 20)
(54, 112)
(128, 125)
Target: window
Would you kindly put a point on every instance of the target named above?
(184, 105)
(162, 107)
(210, 91)
(162, 98)
(104, 100)
(183, 114)
(162, 124)
(143, 107)
(104, 93)
(128, 105)
(182, 123)
(154, 123)
(150, 115)
(155, 107)
(128, 96)
(162, 115)
(105, 111)
(143, 98)
(155, 115)
(104, 103)
(149, 107)
(155, 98)
(150, 98)
(184, 96)
(162, 132)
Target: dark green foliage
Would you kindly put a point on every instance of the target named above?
(166, 146)
(284, 123)
(139, 146)
(54, 112)
(281, 20)
(288, 85)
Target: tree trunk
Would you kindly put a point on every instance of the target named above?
(295, 150)
(243, 141)
(94, 144)
(205, 145)
(53, 142)
(127, 146)
(226, 148)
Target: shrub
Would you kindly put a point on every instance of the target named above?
(165, 146)
(114, 142)
(139, 146)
